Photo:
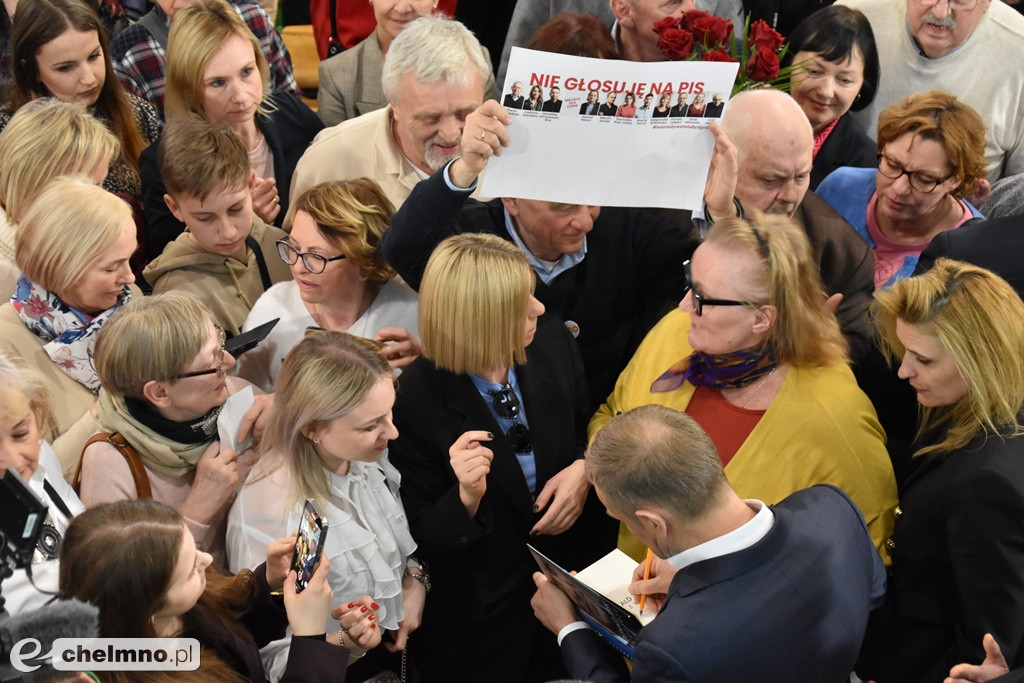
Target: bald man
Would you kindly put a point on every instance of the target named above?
(763, 157)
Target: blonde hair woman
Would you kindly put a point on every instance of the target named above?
(328, 440)
(72, 248)
(45, 139)
(25, 418)
(491, 424)
(217, 70)
(958, 333)
(340, 282)
(162, 364)
(755, 357)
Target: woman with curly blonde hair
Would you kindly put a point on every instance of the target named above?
(340, 280)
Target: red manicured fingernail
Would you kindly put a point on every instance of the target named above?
(370, 618)
(362, 609)
(373, 626)
(374, 605)
(351, 605)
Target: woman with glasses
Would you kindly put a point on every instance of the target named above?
(163, 368)
(491, 423)
(957, 334)
(931, 154)
(327, 439)
(340, 280)
(756, 357)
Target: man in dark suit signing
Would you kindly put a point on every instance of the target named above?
(553, 103)
(515, 100)
(744, 591)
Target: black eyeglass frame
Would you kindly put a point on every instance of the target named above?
(220, 360)
(912, 176)
(291, 255)
(699, 301)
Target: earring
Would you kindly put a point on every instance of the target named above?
(316, 440)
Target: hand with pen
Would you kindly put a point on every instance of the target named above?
(471, 462)
(656, 586)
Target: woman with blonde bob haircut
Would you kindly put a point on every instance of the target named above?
(756, 357)
(492, 421)
(958, 333)
(72, 247)
(469, 325)
(340, 280)
(162, 364)
(45, 139)
(216, 69)
(328, 440)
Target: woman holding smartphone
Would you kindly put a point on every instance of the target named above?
(164, 587)
(327, 440)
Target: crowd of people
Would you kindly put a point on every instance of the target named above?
(796, 407)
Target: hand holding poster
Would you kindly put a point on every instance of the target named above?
(607, 132)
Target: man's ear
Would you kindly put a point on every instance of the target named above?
(623, 12)
(156, 392)
(174, 208)
(655, 528)
(511, 205)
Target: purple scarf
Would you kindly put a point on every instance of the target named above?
(717, 371)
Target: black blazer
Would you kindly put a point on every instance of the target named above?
(288, 130)
(995, 244)
(607, 109)
(480, 568)
(592, 107)
(846, 145)
(514, 102)
(713, 110)
(551, 105)
(679, 110)
(958, 566)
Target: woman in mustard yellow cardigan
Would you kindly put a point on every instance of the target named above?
(754, 355)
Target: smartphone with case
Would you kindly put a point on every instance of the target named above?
(309, 544)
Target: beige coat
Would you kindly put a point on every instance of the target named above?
(70, 401)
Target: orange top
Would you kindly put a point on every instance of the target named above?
(726, 424)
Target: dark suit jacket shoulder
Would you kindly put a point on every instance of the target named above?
(811, 582)
(846, 145)
(957, 565)
(288, 131)
(847, 265)
(994, 244)
(551, 106)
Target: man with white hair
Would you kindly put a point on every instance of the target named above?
(764, 162)
(433, 78)
(970, 48)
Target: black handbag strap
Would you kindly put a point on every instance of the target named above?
(261, 262)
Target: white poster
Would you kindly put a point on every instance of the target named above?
(608, 132)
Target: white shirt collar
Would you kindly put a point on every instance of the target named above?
(732, 542)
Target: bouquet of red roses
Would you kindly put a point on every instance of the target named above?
(699, 36)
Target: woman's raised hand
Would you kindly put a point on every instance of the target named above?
(471, 461)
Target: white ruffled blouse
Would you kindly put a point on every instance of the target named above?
(368, 539)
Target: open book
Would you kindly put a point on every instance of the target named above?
(601, 597)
